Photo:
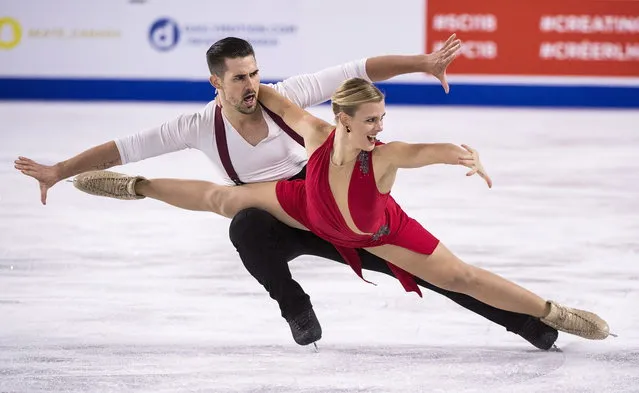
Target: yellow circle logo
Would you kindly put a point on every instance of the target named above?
(10, 25)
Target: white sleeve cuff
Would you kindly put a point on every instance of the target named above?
(119, 144)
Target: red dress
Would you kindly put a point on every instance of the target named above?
(312, 204)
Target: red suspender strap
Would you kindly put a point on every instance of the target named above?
(278, 120)
(222, 146)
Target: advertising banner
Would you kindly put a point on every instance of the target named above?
(168, 39)
(514, 52)
(539, 37)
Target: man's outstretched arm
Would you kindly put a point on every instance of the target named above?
(311, 89)
(103, 156)
(177, 134)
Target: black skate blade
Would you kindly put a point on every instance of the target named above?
(555, 348)
(315, 348)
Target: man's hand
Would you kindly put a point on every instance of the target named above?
(437, 62)
(47, 176)
(471, 161)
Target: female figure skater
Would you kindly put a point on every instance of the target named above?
(346, 200)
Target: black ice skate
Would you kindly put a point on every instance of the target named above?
(305, 327)
(538, 334)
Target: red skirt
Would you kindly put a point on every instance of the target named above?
(400, 230)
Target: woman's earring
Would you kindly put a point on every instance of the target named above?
(348, 129)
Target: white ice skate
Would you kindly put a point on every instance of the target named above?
(578, 322)
(108, 184)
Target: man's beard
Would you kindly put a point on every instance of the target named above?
(247, 111)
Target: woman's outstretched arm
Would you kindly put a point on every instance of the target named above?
(416, 155)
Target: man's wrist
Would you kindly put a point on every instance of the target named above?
(425, 63)
(59, 170)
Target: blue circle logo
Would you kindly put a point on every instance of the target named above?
(164, 34)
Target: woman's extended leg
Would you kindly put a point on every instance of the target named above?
(187, 194)
(224, 200)
(443, 269)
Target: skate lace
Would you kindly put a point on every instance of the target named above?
(110, 185)
(577, 321)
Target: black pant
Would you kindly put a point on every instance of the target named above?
(266, 246)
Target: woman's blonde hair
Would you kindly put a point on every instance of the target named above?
(353, 93)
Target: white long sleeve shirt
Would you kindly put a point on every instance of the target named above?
(276, 157)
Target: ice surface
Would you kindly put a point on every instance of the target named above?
(98, 295)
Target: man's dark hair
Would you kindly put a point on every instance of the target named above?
(226, 48)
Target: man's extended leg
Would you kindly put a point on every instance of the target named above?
(531, 329)
(266, 245)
